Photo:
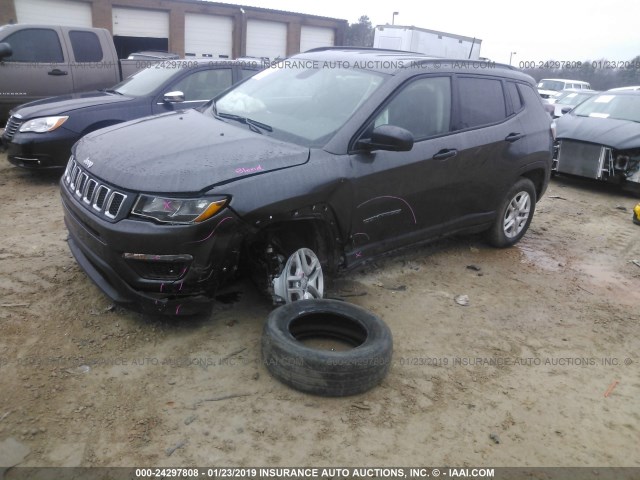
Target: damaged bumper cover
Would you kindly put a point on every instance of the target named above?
(154, 268)
(595, 161)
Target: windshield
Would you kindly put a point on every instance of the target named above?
(574, 98)
(146, 81)
(551, 85)
(302, 105)
(620, 107)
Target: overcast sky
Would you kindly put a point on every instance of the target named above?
(536, 31)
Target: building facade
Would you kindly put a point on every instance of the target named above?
(186, 27)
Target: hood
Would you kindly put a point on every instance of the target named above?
(67, 103)
(182, 152)
(547, 93)
(618, 134)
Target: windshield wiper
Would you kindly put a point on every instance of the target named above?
(110, 90)
(254, 125)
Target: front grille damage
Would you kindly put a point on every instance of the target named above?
(597, 161)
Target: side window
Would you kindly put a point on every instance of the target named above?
(528, 94)
(205, 84)
(35, 45)
(86, 46)
(481, 101)
(516, 101)
(247, 73)
(423, 107)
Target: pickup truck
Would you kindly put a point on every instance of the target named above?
(38, 61)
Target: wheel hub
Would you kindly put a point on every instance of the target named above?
(301, 278)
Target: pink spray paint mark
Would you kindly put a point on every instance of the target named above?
(212, 231)
(178, 309)
(167, 205)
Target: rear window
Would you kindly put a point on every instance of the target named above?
(528, 94)
(481, 101)
(86, 46)
(514, 94)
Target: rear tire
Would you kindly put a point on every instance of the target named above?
(514, 215)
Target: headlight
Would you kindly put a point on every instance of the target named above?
(44, 124)
(177, 210)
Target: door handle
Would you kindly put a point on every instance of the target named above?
(446, 153)
(512, 137)
(56, 72)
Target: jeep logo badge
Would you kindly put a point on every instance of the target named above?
(88, 163)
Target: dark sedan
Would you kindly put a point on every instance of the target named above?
(600, 139)
(40, 134)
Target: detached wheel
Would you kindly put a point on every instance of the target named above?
(326, 372)
(514, 215)
(301, 277)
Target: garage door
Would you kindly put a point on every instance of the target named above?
(208, 35)
(134, 22)
(54, 12)
(266, 39)
(314, 37)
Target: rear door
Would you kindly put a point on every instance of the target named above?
(92, 66)
(489, 142)
(38, 67)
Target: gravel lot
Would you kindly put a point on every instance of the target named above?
(540, 369)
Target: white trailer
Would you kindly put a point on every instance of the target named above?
(429, 42)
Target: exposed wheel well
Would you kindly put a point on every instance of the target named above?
(266, 252)
(286, 237)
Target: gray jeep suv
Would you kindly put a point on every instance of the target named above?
(311, 167)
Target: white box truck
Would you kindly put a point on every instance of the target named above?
(429, 42)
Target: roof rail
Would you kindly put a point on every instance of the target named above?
(366, 49)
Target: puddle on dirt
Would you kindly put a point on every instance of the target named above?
(533, 253)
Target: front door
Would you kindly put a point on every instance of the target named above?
(398, 196)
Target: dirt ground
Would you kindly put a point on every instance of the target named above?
(540, 369)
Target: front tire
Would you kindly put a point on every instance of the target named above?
(514, 215)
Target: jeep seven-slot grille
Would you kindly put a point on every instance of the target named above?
(102, 199)
(12, 127)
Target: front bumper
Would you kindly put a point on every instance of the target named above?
(99, 246)
(40, 150)
(596, 161)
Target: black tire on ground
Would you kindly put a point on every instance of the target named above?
(325, 372)
(514, 214)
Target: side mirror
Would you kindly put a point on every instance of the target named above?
(566, 110)
(174, 97)
(390, 138)
(5, 50)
